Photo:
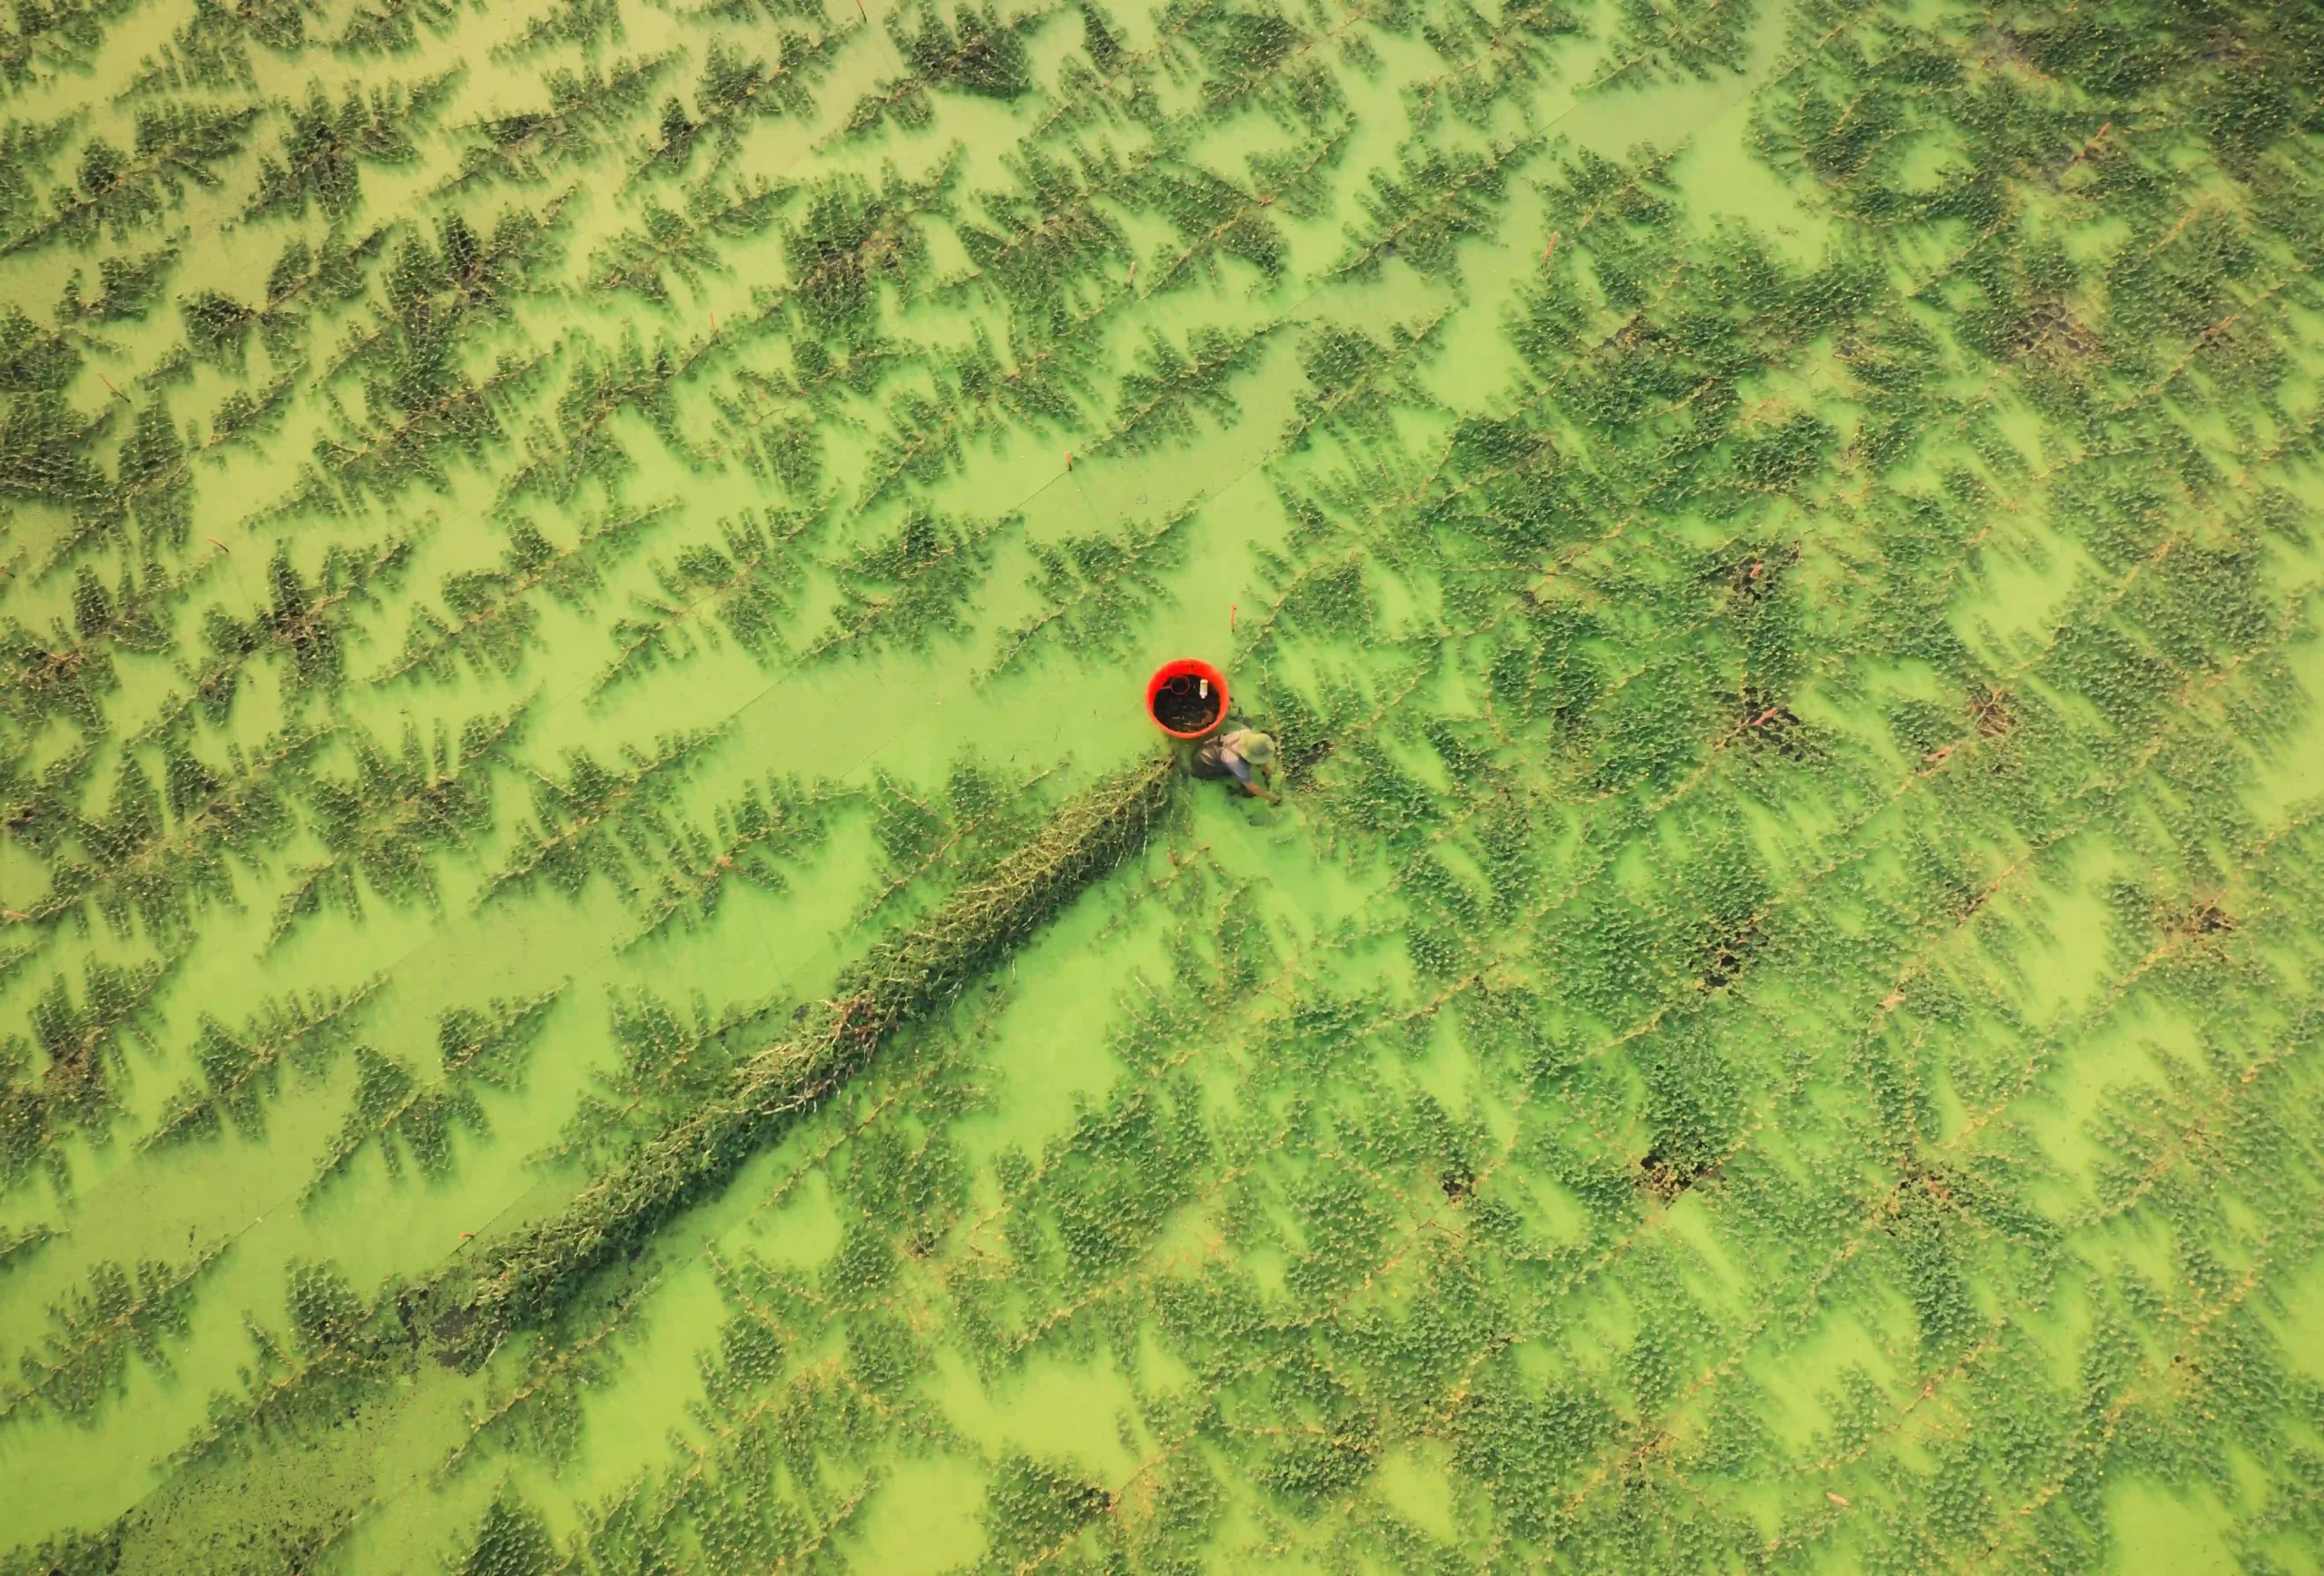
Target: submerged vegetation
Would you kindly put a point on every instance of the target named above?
(573, 583)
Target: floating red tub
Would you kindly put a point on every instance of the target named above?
(1187, 698)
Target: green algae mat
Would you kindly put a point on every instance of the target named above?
(602, 971)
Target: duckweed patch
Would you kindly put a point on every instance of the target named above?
(602, 969)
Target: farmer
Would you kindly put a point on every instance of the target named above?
(1245, 755)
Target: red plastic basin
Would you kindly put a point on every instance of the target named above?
(1191, 668)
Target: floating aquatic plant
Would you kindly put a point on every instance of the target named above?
(679, 242)
(735, 89)
(407, 1117)
(67, 35)
(242, 1069)
(742, 584)
(910, 589)
(848, 239)
(116, 192)
(583, 447)
(751, 839)
(1046, 383)
(70, 672)
(325, 147)
(1423, 212)
(300, 626)
(1162, 393)
(18, 1246)
(974, 53)
(210, 50)
(1785, 920)
(158, 855)
(536, 1271)
(1360, 383)
(602, 819)
(384, 825)
(586, 109)
(668, 1064)
(434, 292)
(84, 1362)
(336, 1351)
(1092, 587)
(67, 1081)
(392, 26)
(490, 620)
(585, 23)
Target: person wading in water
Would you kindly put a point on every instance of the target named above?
(1245, 755)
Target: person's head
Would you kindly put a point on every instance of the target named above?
(1256, 748)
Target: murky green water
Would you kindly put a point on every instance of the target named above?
(1775, 1026)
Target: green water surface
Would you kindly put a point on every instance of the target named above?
(1774, 1025)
